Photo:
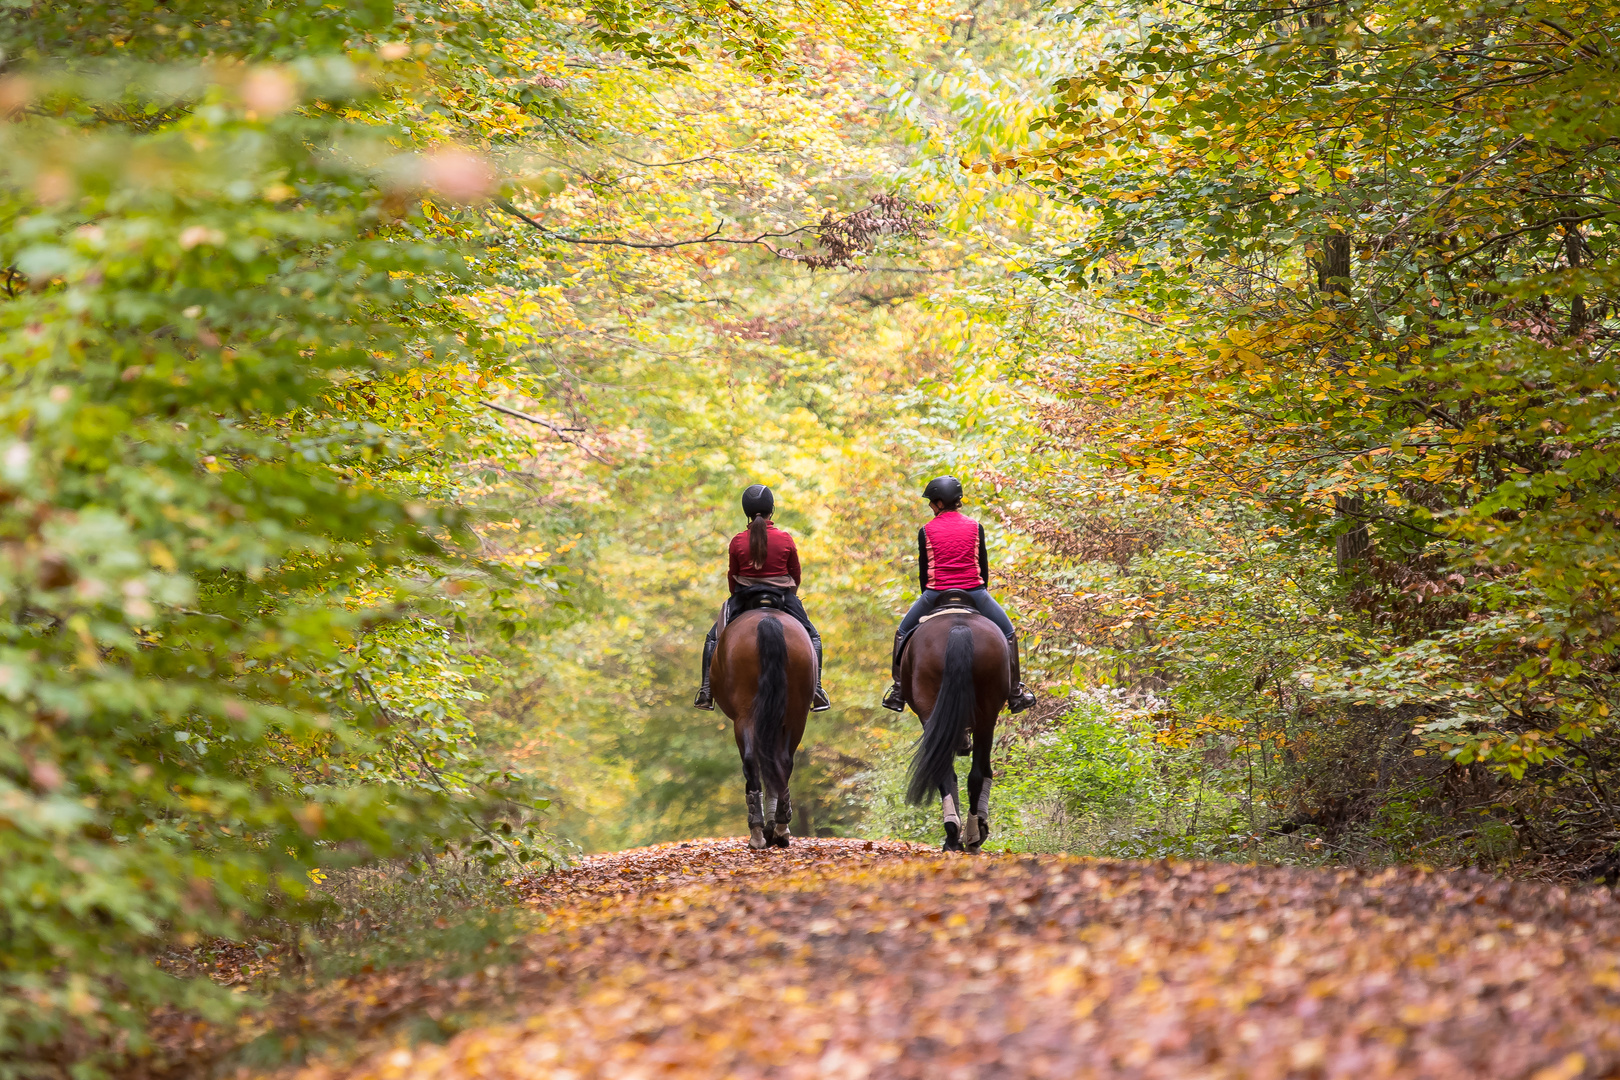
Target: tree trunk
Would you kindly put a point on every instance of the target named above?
(1333, 268)
(1350, 546)
(1574, 242)
(1333, 283)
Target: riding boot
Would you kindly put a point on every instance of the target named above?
(1020, 698)
(895, 699)
(705, 697)
(819, 702)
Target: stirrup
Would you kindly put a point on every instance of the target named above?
(819, 702)
(1019, 700)
(895, 699)
(704, 699)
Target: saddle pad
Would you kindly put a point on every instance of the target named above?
(950, 609)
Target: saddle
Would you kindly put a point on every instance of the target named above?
(951, 602)
(747, 599)
(758, 596)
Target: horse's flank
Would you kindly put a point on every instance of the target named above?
(922, 667)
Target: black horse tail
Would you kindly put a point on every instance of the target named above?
(953, 710)
(770, 707)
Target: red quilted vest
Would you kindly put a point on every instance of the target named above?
(953, 552)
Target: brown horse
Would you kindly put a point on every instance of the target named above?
(763, 676)
(956, 675)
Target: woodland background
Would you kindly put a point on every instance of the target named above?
(380, 380)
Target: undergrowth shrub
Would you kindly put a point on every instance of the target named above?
(1082, 785)
(1099, 777)
(887, 815)
(1083, 782)
(452, 908)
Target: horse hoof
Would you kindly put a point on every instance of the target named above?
(979, 830)
(970, 833)
(780, 836)
(953, 837)
(756, 838)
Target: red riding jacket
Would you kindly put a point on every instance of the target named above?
(781, 561)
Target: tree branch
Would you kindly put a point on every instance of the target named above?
(694, 160)
(762, 240)
(1452, 190)
(560, 432)
(526, 416)
(841, 240)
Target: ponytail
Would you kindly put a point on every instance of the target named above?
(756, 540)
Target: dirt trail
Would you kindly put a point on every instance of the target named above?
(845, 959)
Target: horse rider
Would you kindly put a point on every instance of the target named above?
(762, 554)
(951, 556)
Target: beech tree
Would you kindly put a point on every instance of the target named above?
(1376, 242)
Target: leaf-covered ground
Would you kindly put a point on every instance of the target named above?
(844, 958)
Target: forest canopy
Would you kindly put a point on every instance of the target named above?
(380, 379)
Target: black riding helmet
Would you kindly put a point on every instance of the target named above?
(757, 500)
(946, 489)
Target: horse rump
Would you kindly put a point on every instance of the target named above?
(770, 707)
(953, 710)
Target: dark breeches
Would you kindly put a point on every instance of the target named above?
(982, 600)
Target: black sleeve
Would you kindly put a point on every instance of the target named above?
(984, 560)
(922, 559)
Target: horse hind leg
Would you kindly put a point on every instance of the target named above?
(972, 827)
(755, 794)
(949, 810)
(756, 820)
(976, 825)
(980, 781)
(777, 814)
(981, 809)
(780, 832)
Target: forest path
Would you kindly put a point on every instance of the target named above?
(848, 959)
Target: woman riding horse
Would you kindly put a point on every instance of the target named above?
(951, 556)
(762, 554)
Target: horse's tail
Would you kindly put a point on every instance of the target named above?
(770, 707)
(953, 710)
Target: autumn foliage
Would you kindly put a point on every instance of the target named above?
(1360, 449)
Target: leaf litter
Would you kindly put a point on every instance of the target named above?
(853, 959)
